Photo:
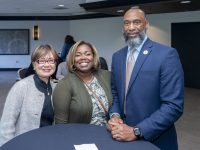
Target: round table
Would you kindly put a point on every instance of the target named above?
(65, 136)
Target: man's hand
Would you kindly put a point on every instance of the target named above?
(119, 130)
(114, 121)
(123, 132)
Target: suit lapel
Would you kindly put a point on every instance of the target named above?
(144, 53)
(123, 71)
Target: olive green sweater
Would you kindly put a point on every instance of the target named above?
(72, 102)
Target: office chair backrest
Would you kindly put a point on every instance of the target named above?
(22, 72)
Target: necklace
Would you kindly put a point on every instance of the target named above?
(92, 78)
(87, 79)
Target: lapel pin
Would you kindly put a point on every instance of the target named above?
(145, 52)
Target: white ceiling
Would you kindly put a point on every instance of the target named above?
(72, 9)
(42, 7)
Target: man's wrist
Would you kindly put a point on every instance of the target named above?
(115, 115)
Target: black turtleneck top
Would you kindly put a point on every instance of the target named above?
(47, 115)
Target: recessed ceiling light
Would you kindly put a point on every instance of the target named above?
(120, 11)
(61, 5)
(185, 2)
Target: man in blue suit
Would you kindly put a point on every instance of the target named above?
(154, 97)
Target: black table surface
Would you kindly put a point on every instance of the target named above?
(64, 137)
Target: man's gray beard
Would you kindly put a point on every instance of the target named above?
(134, 42)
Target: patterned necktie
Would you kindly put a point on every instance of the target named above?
(129, 67)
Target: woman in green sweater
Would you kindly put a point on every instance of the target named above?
(84, 95)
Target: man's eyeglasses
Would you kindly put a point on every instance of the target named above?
(43, 61)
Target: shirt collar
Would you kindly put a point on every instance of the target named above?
(41, 85)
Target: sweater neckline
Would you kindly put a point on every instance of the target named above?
(42, 86)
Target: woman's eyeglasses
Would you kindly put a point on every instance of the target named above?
(43, 61)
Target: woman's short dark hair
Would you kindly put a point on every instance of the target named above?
(69, 39)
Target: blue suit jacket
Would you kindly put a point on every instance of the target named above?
(154, 99)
